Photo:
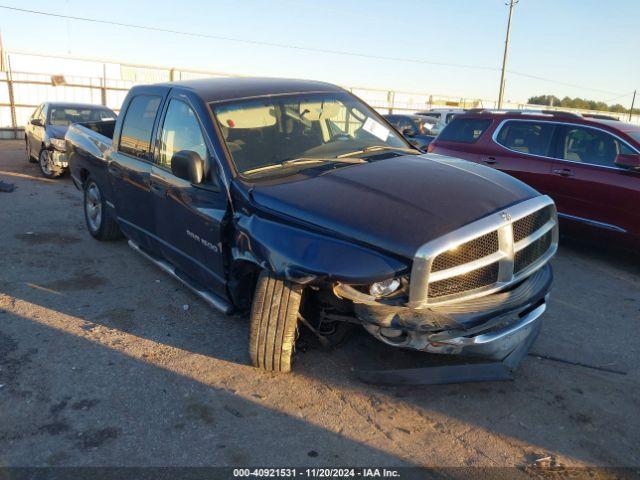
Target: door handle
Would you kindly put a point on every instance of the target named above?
(158, 189)
(563, 172)
(114, 169)
(490, 160)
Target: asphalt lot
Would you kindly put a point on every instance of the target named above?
(104, 360)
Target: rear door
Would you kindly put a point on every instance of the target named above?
(189, 217)
(590, 188)
(523, 149)
(129, 167)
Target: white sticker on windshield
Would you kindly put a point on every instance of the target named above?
(375, 128)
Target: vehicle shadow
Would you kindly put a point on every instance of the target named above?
(70, 399)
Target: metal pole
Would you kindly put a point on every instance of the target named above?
(633, 101)
(12, 103)
(103, 90)
(511, 4)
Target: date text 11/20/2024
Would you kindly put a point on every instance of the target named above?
(316, 473)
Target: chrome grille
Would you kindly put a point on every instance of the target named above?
(467, 252)
(486, 255)
(531, 253)
(468, 281)
(526, 226)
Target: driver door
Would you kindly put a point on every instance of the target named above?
(188, 217)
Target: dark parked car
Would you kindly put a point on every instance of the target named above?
(297, 201)
(47, 126)
(589, 166)
(418, 130)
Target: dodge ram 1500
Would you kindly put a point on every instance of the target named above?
(297, 202)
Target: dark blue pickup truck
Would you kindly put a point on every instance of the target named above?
(296, 201)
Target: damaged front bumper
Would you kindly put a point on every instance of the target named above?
(59, 159)
(490, 327)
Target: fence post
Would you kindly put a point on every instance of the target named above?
(171, 74)
(12, 103)
(103, 89)
(391, 100)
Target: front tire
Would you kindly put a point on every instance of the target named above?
(100, 220)
(47, 167)
(274, 319)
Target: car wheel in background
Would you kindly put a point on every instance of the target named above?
(274, 319)
(48, 169)
(100, 220)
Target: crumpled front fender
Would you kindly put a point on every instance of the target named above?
(308, 257)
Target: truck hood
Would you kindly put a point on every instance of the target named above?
(396, 204)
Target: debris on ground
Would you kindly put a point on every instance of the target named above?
(6, 187)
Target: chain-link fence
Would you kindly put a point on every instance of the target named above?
(30, 79)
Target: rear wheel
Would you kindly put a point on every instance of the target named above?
(274, 319)
(47, 167)
(100, 220)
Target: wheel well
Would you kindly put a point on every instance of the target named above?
(243, 276)
(84, 174)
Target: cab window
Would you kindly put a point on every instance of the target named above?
(464, 130)
(138, 125)
(180, 131)
(527, 137)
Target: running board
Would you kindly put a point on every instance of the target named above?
(209, 297)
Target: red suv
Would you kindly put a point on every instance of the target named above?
(589, 166)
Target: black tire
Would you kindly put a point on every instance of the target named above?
(47, 168)
(30, 157)
(101, 222)
(274, 319)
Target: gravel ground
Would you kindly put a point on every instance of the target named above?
(105, 361)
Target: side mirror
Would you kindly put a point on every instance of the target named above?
(188, 165)
(37, 122)
(628, 160)
(408, 132)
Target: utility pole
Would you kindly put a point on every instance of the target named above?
(511, 4)
(633, 101)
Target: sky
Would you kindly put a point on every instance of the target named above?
(586, 48)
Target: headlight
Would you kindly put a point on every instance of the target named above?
(58, 144)
(384, 288)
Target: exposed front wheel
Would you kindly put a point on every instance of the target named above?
(47, 167)
(100, 221)
(274, 318)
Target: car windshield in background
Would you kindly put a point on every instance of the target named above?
(301, 131)
(67, 115)
(635, 134)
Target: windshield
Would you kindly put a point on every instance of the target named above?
(67, 115)
(635, 134)
(427, 125)
(274, 131)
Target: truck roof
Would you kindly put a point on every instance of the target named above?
(232, 88)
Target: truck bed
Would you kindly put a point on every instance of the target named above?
(86, 145)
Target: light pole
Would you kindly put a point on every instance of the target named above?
(633, 102)
(511, 4)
